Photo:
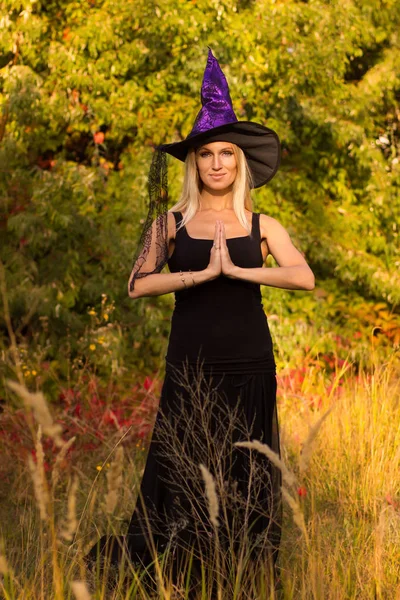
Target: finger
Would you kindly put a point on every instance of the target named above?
(216, 233)
(216, 242)
(223, 234)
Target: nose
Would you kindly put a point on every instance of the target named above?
(216, 163)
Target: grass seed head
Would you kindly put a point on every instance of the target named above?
(41, 494)
(211, 494)
(4, 568)
(114, 481)
(36, 401)
(60, 457)
(67, 533)
(80, 590)
(298, 516)
(39, 477)
(287, 475)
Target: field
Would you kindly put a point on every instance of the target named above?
(70, 472)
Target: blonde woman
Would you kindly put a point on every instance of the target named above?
(220, 359)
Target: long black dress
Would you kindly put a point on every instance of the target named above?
(219, 388)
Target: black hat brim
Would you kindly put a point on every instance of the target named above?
(260, 145)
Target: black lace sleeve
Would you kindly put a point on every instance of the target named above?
(152, 252)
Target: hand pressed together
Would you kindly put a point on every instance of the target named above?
(220, 260)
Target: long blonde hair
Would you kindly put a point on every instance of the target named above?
(190, 199)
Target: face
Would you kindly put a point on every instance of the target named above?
(216, 163)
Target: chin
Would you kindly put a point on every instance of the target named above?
(219, 185)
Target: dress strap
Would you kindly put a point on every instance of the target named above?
(255, 228)
(178, 218)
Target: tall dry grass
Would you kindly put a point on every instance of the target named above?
(352, 479)
(341, 494)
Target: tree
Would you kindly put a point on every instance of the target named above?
(86, 90)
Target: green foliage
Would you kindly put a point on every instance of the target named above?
(87, 88)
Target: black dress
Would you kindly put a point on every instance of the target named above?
(219, 388)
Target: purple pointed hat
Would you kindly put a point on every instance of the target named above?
(217, 121)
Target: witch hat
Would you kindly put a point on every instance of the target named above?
(217, 122)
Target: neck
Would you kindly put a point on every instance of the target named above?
(216, 200)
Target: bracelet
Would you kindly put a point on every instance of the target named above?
(183, 280)
(190, 271)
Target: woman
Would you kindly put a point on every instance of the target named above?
(219, 361)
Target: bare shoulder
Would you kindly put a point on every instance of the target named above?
(270, 226)
(279, 243)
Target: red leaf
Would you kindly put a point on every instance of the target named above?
(147, 383)
(98, 137)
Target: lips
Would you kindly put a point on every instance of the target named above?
(219, 176)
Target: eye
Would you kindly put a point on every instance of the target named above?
(228, 152)
(203, 154)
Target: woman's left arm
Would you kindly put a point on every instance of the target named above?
(293, 272)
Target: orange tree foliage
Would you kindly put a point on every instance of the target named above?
(88, 87)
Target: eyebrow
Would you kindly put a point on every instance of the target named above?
(221, 150)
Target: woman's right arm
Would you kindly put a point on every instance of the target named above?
(164, 283)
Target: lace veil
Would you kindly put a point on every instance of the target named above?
(152, 251)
